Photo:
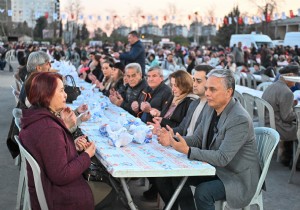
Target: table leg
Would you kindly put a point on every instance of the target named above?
(127, 193)
(176, 193)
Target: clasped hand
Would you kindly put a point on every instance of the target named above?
(165, 138)
(82, 144)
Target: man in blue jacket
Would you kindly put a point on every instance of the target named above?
(136, 54)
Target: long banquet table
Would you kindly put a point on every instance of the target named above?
(133, 160)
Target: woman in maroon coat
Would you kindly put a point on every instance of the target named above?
(47, 138)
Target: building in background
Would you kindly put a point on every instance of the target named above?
(29, 11)
(5, 5)
(150, 29)
(123, 30)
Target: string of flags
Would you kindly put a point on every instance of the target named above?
(166, 18)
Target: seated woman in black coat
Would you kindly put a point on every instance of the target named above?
(94, 70)
(105, 83)
(175, 111)
(117, 78)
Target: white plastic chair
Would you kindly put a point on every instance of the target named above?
(18, 82)
(22, 187)
(16, 94)
(23, 183)
(263, 86)
(239, 97)
(267, 140)
(237, 78)
(36, 175)
(262, 105)
(251, 80)
(17, 113)
(249, 103)
(296, 155)
(9, 57)
(243, 78)
(265, 78)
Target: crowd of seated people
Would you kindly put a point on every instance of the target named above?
(176, 108)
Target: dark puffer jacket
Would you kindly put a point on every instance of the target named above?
(158, 98)
(134, 94)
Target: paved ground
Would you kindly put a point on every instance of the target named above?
(279, 195)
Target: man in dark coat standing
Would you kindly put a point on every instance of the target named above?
(136, 53)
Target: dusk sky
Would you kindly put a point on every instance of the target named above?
(126, 9)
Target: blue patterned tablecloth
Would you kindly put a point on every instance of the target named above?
(135, 160)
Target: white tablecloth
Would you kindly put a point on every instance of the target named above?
(134, 160)
(243, 89)
(142, 160)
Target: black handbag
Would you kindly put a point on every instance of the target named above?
(72, 91)
(98, 173)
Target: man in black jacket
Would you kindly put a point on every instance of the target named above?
(136, 54)
(157, 96)
(134, 89)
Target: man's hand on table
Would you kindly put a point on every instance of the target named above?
(180, 145)
(166, 138)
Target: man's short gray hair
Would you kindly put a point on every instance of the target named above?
(135, 66)
(36, 59)
(157, 68)
(227, 75)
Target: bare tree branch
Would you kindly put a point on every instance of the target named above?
(74, 7)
